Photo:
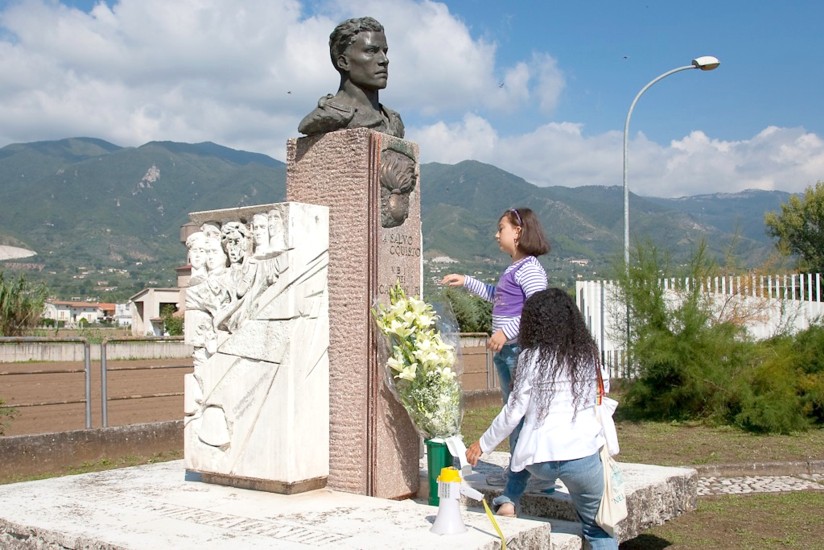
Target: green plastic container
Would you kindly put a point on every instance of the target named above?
(437, 457)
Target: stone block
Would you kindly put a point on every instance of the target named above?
(257, 403)
(369, 181)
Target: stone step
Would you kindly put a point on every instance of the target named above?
(655, 494)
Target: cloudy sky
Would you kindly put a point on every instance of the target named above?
(539, 89)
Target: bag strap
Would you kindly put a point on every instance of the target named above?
(601, 391)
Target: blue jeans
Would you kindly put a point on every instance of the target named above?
(584, 478)
(506, 361)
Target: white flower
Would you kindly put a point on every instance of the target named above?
(423, 377)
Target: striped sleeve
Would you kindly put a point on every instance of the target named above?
(531, 277)
(476, 287)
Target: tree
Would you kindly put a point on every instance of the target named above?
(171, 322)
(21, 304)
(684, 358)
(799, 227)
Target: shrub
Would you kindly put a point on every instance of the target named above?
(6, 415)
(683, 356)
(472, 313)
(21, 304)
(784, 391)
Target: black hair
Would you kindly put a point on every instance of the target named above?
(554, 335)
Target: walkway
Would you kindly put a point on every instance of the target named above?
(716, 485)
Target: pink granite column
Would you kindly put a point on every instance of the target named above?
(373, 445)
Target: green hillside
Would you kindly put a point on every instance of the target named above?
(105, 220)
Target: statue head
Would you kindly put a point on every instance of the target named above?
(211, 230)
(215, 256)
(260, 231)
(234, 235)
(276, 236)
(358, 48)
(196, 243)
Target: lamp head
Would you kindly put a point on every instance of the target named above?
(706, 62)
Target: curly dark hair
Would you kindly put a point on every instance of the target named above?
(554, 335)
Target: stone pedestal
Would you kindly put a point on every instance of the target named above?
(370, 183)
(257, 404)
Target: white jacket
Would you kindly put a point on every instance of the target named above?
(558, 437)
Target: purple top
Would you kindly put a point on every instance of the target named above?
(509, 297)
(518, 282)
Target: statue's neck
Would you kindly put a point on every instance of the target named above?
(356, 96)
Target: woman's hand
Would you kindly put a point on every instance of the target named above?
(453, 279)
(473, 453)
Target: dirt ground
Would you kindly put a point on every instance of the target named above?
(50, 397)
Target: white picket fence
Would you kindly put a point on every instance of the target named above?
(765, 305)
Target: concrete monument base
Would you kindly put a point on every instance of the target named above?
(155, 506)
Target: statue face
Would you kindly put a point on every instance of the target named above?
(215, 257)
(260, 230)
(236, 248)
(197, 254)
(274, 223)
(366, 61)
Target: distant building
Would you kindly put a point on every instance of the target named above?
(443, 260)
(71, 313)
(107, 311)
(147, 305)
(123, 315)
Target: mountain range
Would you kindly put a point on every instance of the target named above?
(105, 220)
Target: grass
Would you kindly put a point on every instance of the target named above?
(109, 463)
(685, 444)
(764, 521)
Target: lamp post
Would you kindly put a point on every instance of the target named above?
(704, 63)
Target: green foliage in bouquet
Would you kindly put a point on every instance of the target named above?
(421, 365)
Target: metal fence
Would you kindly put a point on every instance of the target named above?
(86, 370)
(104, 372)
(32, 366)
(476, 360)
(765, 305)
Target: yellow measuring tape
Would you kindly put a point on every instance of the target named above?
(491, 517)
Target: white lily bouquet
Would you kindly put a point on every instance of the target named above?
(421, 367)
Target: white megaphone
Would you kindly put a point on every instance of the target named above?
(450, 488)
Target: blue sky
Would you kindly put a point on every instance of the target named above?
(540, 89)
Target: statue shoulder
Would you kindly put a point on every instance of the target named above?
(328, 116)
(395, 125)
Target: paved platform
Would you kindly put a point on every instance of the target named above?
(655, 495)
(156, 506)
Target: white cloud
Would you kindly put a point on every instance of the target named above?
(788, 159)
(244, 74)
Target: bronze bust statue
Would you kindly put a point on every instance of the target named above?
(358, 49)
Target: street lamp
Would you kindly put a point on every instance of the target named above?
(704, 63)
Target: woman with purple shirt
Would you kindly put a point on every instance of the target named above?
(521, 237)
